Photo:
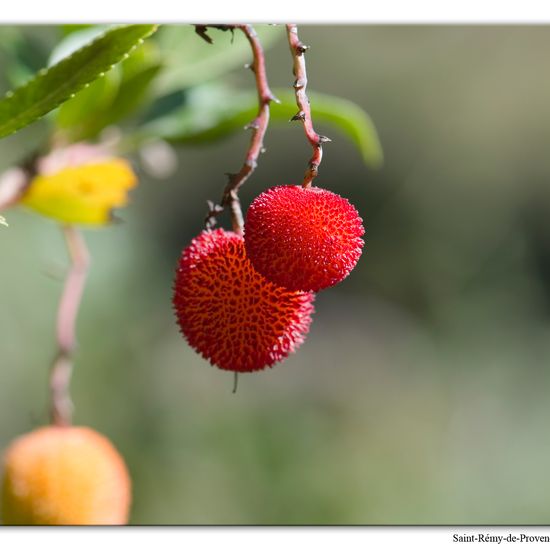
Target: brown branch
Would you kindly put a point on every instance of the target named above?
(259, 126)
(298, 50)
(14, 182)
(60, 374)
(12, 186)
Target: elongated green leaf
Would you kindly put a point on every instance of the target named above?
(211, 113)
(76, 40)
(71, 28)
(52, 87)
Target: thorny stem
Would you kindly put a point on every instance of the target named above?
(61, 370)
(259, 126)
(298, 50)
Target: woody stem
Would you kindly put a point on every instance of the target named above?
(298, 49)
(61, 370)
(258, 126)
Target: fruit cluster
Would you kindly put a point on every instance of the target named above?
(245, 302)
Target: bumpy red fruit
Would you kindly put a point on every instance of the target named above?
(229, 313)
(303, 238)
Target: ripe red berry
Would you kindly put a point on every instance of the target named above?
(303, 238)
(229, 313)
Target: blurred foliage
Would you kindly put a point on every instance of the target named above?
(421, 393)
(50, 87)
(177, 64)
(212, 112)
(189, 60)
(122, 91)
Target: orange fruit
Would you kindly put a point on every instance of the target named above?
(64, 476)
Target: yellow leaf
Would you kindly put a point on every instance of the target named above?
(85, 194)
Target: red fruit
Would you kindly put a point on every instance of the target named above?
(229, 313)
(303, 238)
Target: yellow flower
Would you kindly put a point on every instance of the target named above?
(85, 194)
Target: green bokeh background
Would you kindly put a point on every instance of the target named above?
(422, 392)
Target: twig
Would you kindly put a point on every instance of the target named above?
(60, 374)
(259, 126)
(13, 184)
(297, 50)
(202, 31)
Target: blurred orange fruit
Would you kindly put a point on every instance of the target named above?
(64, 476)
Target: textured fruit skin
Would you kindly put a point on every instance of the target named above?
(229, 313)
(303, 238)
(64, 476)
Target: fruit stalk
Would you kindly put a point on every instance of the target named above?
(61, 370)
(258, 126)
(298, 49)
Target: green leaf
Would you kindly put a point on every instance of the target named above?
(138, 74)
(132, 93)
(76, 40)
(71, 28)
(110, 99)
(78, 113)
(211, 113)
(52, 87)
(189, 60)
